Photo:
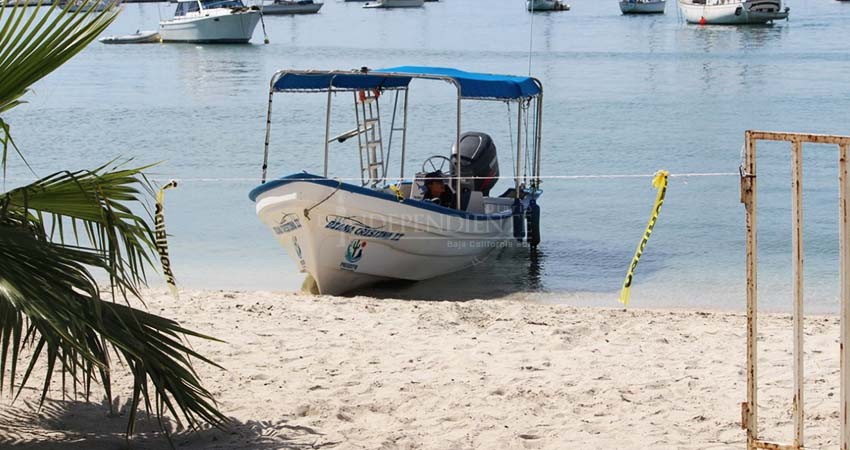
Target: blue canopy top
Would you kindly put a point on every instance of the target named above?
(472, 85)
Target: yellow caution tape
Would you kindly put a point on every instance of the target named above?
(659, 181)
(398, 193)
(162, 241)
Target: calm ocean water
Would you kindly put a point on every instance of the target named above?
(624, 95)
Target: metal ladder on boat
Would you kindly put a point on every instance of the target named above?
(368, 114)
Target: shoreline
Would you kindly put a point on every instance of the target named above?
(358, 372)
(578, 299)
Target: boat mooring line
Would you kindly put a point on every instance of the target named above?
(542, 177)
(307, 210)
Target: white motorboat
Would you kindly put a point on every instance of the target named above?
(89, 5)
(280, 7)
(546, 5)
(732, 12)
(395, 4)
(642, 6)
(28, 3)
(348, 234)
(212, 21)
(139, 37)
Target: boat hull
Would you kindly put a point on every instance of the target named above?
(93, 6)
(751, 12)
(281, 9)
(146, 37)
(351, 237)
(225, 27)
(27, 3)
(546, 5)
(395, 4)
(644, 7)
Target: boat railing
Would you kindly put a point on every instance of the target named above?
(358, 81)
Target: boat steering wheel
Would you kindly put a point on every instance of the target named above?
(436, 163)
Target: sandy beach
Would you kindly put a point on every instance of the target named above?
(308, 372)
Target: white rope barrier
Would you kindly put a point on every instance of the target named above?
(542, 177)
(396, 179)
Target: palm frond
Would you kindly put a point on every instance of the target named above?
(97, 206)
(6, 141)
(46, 277)
(50, 285)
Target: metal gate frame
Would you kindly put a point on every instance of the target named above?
(749, 416)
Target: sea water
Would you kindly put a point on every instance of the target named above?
(624, 95)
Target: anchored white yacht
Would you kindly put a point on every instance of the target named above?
(213, 21)
(345, 235)
(732, 12)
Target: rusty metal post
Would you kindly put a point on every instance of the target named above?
(748, 197)
(797, 256)
(844, 235)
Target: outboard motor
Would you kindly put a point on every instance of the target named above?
(477, 159)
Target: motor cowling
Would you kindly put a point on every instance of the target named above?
(479, 163)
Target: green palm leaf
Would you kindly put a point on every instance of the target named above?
(52, 234)
(96, 202)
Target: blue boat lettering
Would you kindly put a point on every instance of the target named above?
(362, 230)
(288, 223)
(297, 247)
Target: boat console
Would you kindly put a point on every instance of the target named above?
(479, 171)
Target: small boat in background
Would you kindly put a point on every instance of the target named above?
(91, 5)
(212, 21)
(642, 6)
(27, 3)
(395, 4)
(732, 12)
(546, 5)
(280, 7)
(140, 37)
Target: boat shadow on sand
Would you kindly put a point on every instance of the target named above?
(527, 274)
(71, 425)
(511, 270)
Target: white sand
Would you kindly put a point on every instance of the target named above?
(330, 372)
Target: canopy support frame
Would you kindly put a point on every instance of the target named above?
(330, 89)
